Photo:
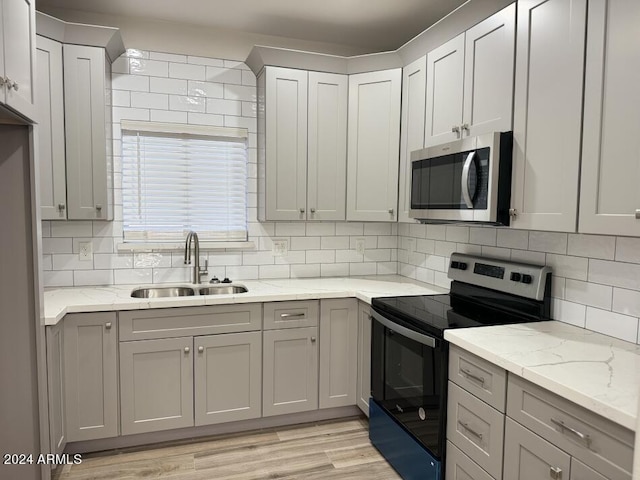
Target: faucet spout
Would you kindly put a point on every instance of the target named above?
(193, 237)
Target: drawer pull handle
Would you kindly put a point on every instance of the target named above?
(470, 430)
(555, 473)
(468, 374)
(292, 315)
(566, 428)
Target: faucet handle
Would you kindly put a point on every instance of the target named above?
(204, 270)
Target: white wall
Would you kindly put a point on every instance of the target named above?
(196, 90)
(596, 279)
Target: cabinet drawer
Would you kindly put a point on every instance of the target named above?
(461, 467)
(592, 439)
(485, 380)
(279, 315)
(189, 321)
(579, 471)
(476, 428)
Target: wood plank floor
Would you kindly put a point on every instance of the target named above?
(338, 449)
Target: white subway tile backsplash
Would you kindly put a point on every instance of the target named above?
(187, 71)
(92, 277)
(387, 268)
(616, 274)
(321, 229)
(103, 261)
(214, 62)
(433, 232)
(366, 268)
(510, 238)
(124, 113)
(133, 83)
(457, 234)
(527, 256)
(628, 249)
(377, 229)
(334, 243)
(166, 116)
(305, 271)
(612, 324)
(370, 241)
(626, 302)
(57, 245)
(390, 241)
(568, 312)
(221, 106)
(152, 68)
(134, 276)
(304, 243)
(591, 294)
(205, 89)
(425, 275)
(168, 85)
(59, 278)
(257, 258)
(120, 65)
(549, 242)
(569, 267)
(593, 246)
(243, 272)
(274, 271)
(334, 270)
(558, 287)
(205, 119)
(224, 75)
(71, 261)
(170, 275)
(167, 57)
(240, 92)
(482, 236)
(290, 229)
(71, 229)
(321, 256)
(377, 255)
(187, 104)
(350, 228)
(248, 78)
(158, 101)
(496, 252)
(291, 258)
(348, 256)
(444, 249)
(441, 280)
(121, 98)
(418, 230)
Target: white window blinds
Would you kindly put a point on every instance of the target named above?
(174, 181)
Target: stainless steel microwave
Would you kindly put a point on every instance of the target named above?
(468, 180)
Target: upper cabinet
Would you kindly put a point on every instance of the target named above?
(17, 56)
(548, 114)
(470, 81)
(414, 89)
(373, 145)
(302, 130)
(609, 193)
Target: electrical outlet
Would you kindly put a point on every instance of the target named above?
(86, 251)
(279, 248)
(360, 245)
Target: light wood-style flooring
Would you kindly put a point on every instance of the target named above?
(338, 449)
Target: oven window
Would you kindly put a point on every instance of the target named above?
(408, 376)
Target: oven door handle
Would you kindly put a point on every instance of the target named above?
(466, 194)
(404, 331)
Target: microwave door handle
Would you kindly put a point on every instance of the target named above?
(466, 195)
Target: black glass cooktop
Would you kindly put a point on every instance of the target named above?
(464, 307)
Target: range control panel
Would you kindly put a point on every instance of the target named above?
(511, 277)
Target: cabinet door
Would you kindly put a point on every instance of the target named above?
(338, 352)
(529, 457)
(156, 385)
(609, 194)
(50, 104)
(579, 471)
(19, 31)
(228, 377)
(548, 113)
(414, 90)
(488, 74)
(445, 78)
(364, 358)
(55, 383)
(286, 143)
(327, 159)
(91, 375)
(373, 145)
(290, 371)
(85, 103)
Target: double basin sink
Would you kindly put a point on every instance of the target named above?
(164, 292)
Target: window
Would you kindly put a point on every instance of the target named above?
(177, 178)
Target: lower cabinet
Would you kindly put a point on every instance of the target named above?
(228, 377)
(338, 352)
(91, 375)
(156, 385)
(290, 371)
(363, 388)
(55, 385)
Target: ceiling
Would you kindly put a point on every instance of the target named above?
(373, 25)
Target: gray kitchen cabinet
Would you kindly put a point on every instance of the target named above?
(290, 371)
(461, 467)
(227, 377)
(609, 194)
(579, 471)
(50, 107)
(529, 457)
(293, 314)
(338, 352)
(17, 56)
(373, 143)
(156, 385)
(470, 81)
(364, 357)
(91, 375)
(302, 131)
(414, 89)
(87, 107)
(548, 114)
(55, 386)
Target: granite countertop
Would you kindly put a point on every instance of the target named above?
(597, 372)
(60, 301)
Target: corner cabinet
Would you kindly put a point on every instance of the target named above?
(414, 89)
(373, 145)
(91, 376)
(17, 56)
(302, 129)
(548, 115)
(609, 194)
(470, 81)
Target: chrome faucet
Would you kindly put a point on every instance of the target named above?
(197, 269)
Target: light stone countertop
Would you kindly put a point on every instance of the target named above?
(60, 301)
(597, 372)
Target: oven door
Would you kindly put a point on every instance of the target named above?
(408, 379)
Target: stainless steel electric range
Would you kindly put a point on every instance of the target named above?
(409, 356)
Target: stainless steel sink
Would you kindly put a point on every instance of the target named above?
(222, 289)
(162, 292)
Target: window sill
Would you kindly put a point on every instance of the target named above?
(163, 247)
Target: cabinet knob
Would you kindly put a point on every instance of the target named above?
(313, 210)
(14, 85)
(200, 349)
(391, 210)
(455, 129)
(638, 214)
(513, 212)
(465, 126)
(2, 81)
(107, 325)
(313, 339)
(301, 210)
(187, 349)
(61, 207)
(99, 207)
(555, 473)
